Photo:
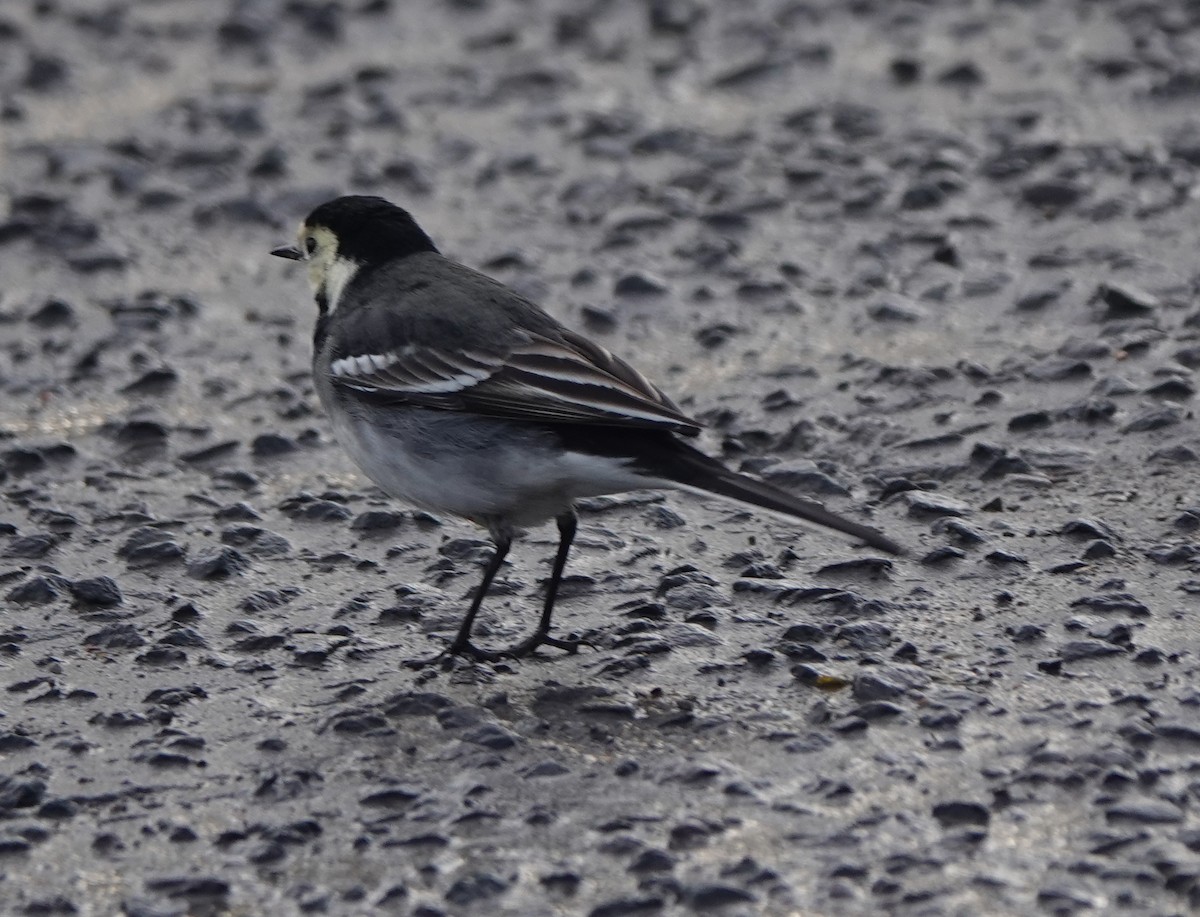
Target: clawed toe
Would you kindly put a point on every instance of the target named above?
(478, 654)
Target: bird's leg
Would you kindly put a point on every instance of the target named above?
(541, 637)
(462, 644)
(462, 641)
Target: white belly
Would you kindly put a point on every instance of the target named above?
(480, 471)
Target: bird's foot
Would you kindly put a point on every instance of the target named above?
(525, 647)
(478, 654)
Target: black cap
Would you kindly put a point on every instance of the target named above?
(370, 230)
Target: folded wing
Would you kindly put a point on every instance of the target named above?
(561, 379)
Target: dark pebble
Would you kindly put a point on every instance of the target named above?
(942, 555)
(639, 284)
(115, 636)
(31, 547)
(19, 793)
(152, 382)
(218, 563)
(392, 797)
(1174, 389)
(378, 520)
(953, 814)
(1005, 558)
(37, 591)
(314, 509)
(474, 889)
(713, 897)
(1144, 812)
(1052, 194)
(713, 336)
(1113, 603)
(870, 687)
(628, 907)
(652, 859)
(1154, 419)
(1040, 299)
(191, 887)
(211, 453)
(964, 75)
(1033, 420)
(896, 309)
(1123, 301)
(490, 735)
(1058, 369)
(876, 710)
(15, 741)
(236, 512)
(53, 313)
(804, 477)
(269, 445)
(1074, 650)
(866, 635)
(1099, 550)
(45, 73)
(101, 590)
(905, 71)
(257, 542)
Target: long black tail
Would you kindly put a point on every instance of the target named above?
(676, 461)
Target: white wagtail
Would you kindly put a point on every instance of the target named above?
(457, 395)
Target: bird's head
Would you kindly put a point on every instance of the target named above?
(348, 234)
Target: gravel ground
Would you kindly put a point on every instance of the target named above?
(934, 262)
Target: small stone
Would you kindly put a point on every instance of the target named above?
(638, 283)
(896, 309)
(905, 71)
(491, 735)
(152, 382)
(924, 505)
(31, 547)
(1075, 650)
(1174, 389)
(713, 336)
(1052, 194)
(45, 73)
(37, 591)
(953, 814)
(270, 445)
(378, 520)
(1123, 301)
(713, 897)
(1154, 419)
(115, 636)
(804, 476)
(218, 563)
(965, 74)
(256, 541)
(474, 889)
(101, 590)
(1144, 812)
(1035, 300)
(53, 313)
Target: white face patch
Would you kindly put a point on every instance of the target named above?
(339, 274)
(328, 272)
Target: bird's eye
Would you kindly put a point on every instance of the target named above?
(310, 245)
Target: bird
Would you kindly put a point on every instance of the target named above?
(455, 394)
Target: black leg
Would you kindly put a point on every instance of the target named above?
(541, 636)
(463, 640)
(462, 644)
(566, 535)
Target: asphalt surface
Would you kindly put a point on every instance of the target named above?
(934, 263)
